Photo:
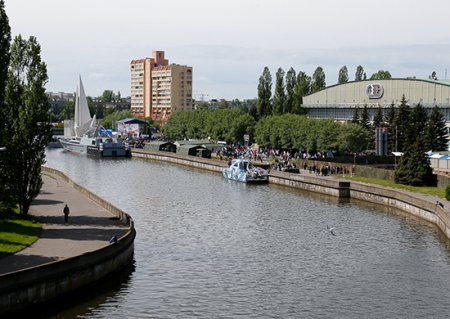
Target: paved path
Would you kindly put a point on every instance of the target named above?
(90, 227)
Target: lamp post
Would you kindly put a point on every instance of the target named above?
(396, 145)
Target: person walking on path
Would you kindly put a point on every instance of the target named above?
(66, 211)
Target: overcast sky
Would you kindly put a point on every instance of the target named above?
(229, 42)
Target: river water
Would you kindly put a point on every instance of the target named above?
(211, 248)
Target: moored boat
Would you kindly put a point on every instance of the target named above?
(84, 135)
(242, 170)
(97, 143)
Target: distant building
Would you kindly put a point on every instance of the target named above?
(158, 88)
(339, 101)
(61, 96)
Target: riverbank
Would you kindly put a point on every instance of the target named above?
(66, 257)
(430, 208)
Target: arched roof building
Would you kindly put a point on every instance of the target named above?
(339, 101)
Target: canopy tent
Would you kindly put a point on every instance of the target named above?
(130, 126)
(131, 121)
(437, 155)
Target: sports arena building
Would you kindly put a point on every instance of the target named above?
(339, 101)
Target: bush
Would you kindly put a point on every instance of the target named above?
(447, 192)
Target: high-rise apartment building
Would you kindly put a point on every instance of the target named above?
(159, 88)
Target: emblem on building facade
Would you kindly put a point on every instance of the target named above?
(374, 91)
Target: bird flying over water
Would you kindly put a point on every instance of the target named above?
(331, 229)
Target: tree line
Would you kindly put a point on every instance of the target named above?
(226, 124)
(404, 124)
(24, 124)
(290, 88)
(288, 131)
(61, 109)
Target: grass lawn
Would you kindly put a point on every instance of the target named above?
(17, 233)
(428, 190)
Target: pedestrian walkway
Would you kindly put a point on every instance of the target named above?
(90, 227)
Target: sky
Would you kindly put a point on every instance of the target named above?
(229, 42)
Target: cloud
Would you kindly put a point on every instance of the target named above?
(99, 75)
(229, 42)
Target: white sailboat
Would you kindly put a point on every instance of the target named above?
(83, 120)
(84, 135)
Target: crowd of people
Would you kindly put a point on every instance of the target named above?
(283, 160)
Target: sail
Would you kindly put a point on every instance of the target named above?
(83, 120)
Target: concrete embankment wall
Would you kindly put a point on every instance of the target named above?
(422, 206)
(21, 289)
(192, 161)
(318, 184)
(425, 207)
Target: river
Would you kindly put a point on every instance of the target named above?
(211, 248)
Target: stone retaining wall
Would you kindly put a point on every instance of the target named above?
(24, 288)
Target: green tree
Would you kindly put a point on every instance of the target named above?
(327, 138)
(175, 127)
(91, 105)
(236, 104)
(251, 107)
(418, 122)
(279, 97)
(355, 118)
(108, 96)
(109, 120)
(302, 87)
(290, 90)
(262, 132)
(392, 129)
(312, 135)
(5, 39)
(436, 131)
(353, 138)
(300, 131)
(196, 124)
(381, 75)
(318, 80)
(68, 112)
(365, 119)
(402, 120)
(229, 125)
(414, 166)
(265, 93)
(6, 198)
(223, 104)
(343, 75)
(378, 120)
(27, 108)
(242, 124)
(359, 74)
